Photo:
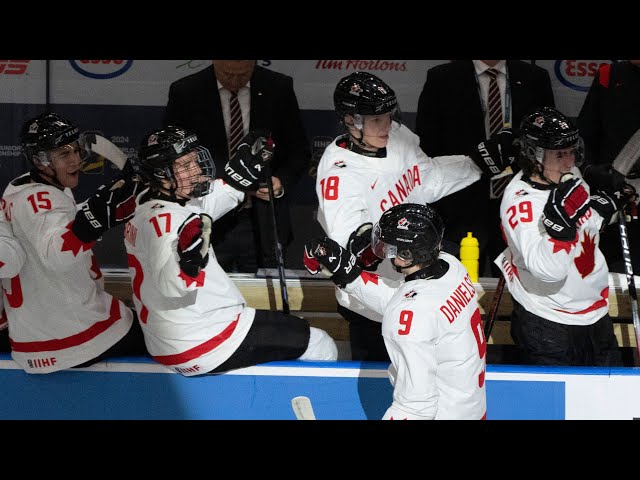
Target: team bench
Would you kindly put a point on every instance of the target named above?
(314, 298)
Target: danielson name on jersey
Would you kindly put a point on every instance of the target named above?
(565, 282)
(432, 327)
(353, 189)
(190, 325)
(59, 315)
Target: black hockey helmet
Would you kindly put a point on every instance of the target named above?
(160, 149)
(362, 93)
(47, 132)
(409, 231)
(547, 128)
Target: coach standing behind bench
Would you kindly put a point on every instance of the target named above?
(203, 103)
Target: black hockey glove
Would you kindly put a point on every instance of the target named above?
(111, 205)
(194, 236)
(327, 256)
(605, 205)
(360, 245)
(566, 204)
(496, 153)
(603, 177)
(246, 168)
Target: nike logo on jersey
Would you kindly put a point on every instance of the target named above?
(373, 185)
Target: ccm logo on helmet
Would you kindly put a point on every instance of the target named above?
(577, 74)
(101, 69)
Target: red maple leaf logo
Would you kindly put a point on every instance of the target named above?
(369, 277)
(199, 280)
(72, 243)
(559, 245)
(585, 262)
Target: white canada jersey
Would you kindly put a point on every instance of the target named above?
(11, 258)
(565, 282)
(353, 189)
(190, 325)
(59, 314)
(432, 330)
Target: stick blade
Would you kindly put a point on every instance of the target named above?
(102, 146)
(628, 156)
(302, 408)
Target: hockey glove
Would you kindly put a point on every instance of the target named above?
(603, 177)
(246, 168)
(360, 245)
(194, 236)
(605, 205)
(327, 256)
(496, 153)
(566, 204)
(111, 205)
(628, 198)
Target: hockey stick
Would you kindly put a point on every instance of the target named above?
(493, 309)
(302, 408)
(96, 143)
(631, 284)
(277, 244)
(628, 156)
(624, 163)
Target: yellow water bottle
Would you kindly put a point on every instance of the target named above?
(470, 255)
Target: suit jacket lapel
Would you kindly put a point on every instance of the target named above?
(213, 108)
(256, 119)
(475, 107)
(516, 83)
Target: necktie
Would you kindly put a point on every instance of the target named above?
(494, 103)
(236, 129)
(494, 111)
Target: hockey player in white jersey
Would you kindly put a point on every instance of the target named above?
(431, 323)
(377, 164)
(58, 312)
(11, 260)
(556, 274)
(194, 318)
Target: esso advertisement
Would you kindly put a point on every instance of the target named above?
(577, 74)
(101, 69)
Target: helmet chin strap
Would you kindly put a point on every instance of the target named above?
(360, 141)
(51, 178)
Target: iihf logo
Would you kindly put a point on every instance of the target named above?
(403, 223)
(411, 294)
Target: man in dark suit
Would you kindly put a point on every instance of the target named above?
(452, 118)
(609, 117)
(243, 239)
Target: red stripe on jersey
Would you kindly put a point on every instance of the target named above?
(199, 350)
(599, 304)
(74, 340)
